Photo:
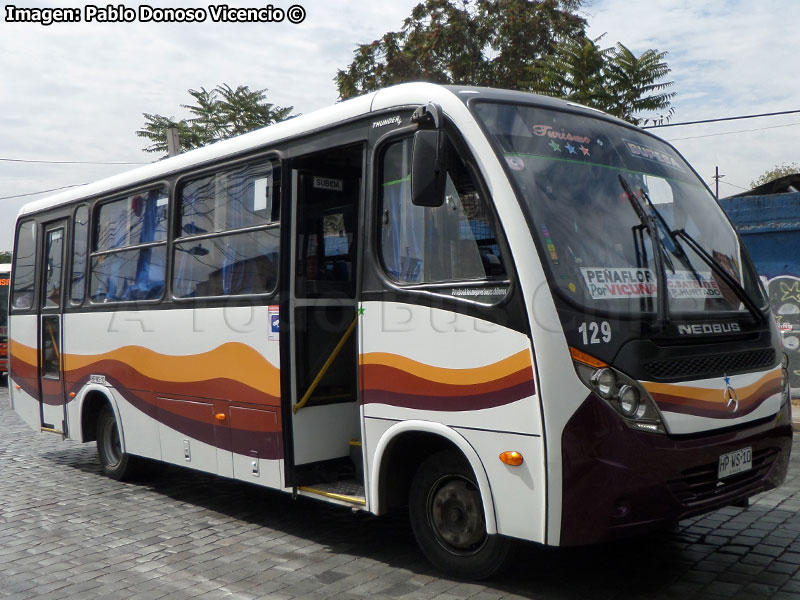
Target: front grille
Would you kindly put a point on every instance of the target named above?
(700, 485)
(716, 364)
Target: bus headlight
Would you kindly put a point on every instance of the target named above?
(605, 382)
(629, 401)
(624, 394)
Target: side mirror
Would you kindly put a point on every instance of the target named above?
(428, 174)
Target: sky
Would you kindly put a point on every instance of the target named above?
(75, 92)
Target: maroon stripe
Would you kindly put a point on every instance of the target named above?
(450, 403)
(392, 379)
(268, 445)
(129, 378)
(716, 410)
(29, 386)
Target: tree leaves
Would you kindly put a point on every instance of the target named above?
(469, 42)
(217, 114)
(776, 172)
(611, 79)
(529, 45)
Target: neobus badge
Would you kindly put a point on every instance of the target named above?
(326, 183)
(704, 328)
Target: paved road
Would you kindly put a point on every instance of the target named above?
(67, 532)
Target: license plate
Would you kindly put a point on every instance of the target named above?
(735, 462)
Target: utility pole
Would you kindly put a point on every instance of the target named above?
(717, 177)
(173, 142)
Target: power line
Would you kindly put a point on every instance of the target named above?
(70, 162)
(63, 187)
(772, 114)
(694, 137)
(733, 185)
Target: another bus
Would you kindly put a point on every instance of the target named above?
(5, 285)
(517, 316)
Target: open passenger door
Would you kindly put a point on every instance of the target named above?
(319, 338)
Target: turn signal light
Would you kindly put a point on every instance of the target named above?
(221, 416)
(511, 457)
(586, 359)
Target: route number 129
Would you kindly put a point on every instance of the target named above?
(595, 334)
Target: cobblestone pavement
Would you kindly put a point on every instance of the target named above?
(67, 532)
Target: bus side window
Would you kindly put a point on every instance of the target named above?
(228, 233)
(24, 267)
(453, 242)
(130, 248)
(80, 246)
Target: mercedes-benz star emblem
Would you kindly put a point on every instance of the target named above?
(731, 399)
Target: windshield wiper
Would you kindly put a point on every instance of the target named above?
(674, 235)
(648, 221)
(676, 245)
(729, 279)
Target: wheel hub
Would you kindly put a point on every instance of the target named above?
(456, 513)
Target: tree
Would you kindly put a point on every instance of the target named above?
(529, 45)
(776, 172)
(5, 257)
(471, 42)
(216, 115)
(636, 84)
(611, 79)
(574, 71)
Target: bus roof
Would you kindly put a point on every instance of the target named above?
(407, 94)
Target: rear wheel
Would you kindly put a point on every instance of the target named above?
(446, 513)
(116, 463)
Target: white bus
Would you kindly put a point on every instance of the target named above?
(5, 285)
(517, 316)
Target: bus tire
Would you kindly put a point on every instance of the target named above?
(446, 514)
(116, 464)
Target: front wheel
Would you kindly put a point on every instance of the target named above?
(446, 513)
(116, 463)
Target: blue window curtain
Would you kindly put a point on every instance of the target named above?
(145, 287)
(138, 273)
(231, 262)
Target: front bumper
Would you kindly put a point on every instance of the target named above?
(618, 482)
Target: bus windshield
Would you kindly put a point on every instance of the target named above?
(612, 207)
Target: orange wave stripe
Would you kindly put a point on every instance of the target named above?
(232, 360)
(471, 376)
(713, 395)
(22, 352)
